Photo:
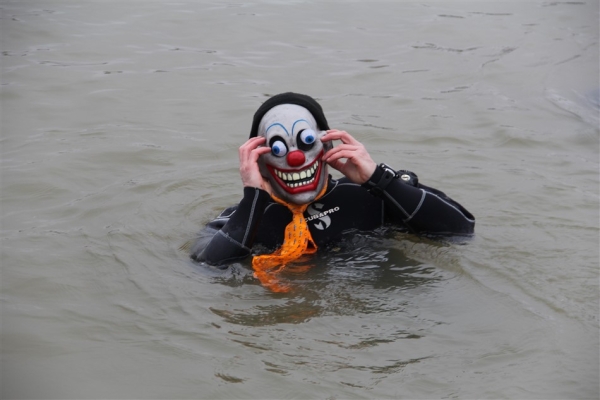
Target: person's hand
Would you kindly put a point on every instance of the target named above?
(359, 166)
(249, 153)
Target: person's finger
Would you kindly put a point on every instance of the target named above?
(344, 136)
(336, 151)
(250, 145)
(343, 146)
(259, 151)
(253, 143)
(349, 154)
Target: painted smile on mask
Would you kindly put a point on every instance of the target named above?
(296, 181)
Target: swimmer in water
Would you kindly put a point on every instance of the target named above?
(293, 206)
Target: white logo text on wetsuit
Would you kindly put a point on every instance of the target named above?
(323, 216)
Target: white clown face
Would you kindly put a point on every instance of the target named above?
(293, 167)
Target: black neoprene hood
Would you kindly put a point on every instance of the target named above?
(298, 99)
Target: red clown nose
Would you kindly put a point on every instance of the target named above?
(295, 158)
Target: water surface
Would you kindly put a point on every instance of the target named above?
(120, 127)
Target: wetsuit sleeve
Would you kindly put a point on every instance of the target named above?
(420, 208)
(231, 235)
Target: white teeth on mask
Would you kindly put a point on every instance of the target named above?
(296, 179)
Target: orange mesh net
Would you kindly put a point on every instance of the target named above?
(296, 243)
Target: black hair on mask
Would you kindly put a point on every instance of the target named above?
(298, 99)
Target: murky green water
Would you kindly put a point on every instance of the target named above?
(120, 126)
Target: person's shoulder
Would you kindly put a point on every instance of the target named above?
(344, 188)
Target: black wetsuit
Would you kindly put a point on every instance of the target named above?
(345, 207)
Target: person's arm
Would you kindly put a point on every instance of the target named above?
(230, 237)
(420, 208)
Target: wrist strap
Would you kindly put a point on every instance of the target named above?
(385, 175)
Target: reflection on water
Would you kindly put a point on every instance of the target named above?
(363, 274)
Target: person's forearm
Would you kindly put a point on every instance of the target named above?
(421, 209)
(235, 240)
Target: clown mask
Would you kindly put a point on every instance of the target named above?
(293, 167)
